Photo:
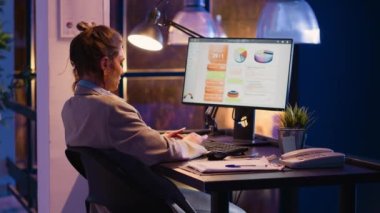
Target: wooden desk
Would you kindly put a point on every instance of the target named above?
(220, 186)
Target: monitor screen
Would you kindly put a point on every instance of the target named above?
(245, 73)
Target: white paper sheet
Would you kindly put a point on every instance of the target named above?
(232, 165)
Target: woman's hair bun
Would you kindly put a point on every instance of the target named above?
(83, 26)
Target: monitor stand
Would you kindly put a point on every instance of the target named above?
(244, 127)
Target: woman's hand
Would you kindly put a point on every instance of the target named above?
(195, 138)
(175, 133)
(192, 137)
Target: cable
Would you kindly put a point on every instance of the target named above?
(236, 196)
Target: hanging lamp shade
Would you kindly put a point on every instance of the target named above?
(289, 19)
(194, 16)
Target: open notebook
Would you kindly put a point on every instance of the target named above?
(232, 165)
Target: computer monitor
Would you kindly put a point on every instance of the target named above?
(243, 73)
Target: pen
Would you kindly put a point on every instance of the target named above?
(238, 166)
(176, 133)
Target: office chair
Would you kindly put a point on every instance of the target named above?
(122, 183)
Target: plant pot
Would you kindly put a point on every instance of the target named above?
(291, 139)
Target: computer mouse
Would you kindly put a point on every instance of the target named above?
(216, 155)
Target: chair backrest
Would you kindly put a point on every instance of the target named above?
(122, 183)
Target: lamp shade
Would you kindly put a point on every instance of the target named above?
(194, 16)
(147, 34)
(288, 19)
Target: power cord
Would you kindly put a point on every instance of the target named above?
(236, 196)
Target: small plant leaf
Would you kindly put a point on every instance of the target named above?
(296, 117)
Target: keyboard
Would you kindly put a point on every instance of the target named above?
(229, 149)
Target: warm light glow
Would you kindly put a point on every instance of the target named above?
(145, 42)
(192, 21)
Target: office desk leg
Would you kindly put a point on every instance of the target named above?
(288, 199)
(348, 198)
(219, 202)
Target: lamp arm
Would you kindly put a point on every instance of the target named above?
(183, 29)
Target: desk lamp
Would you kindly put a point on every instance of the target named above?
(148, 36)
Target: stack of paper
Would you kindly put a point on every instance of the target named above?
(231, 165)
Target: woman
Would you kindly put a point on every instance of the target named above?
(96, 117)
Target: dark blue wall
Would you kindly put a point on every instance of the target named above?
(339, 80)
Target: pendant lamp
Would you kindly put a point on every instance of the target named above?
(194, 16)
(289, 19)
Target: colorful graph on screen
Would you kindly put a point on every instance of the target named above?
(240, 54)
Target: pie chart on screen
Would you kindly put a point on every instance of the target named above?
(263, 56)
(240, 55)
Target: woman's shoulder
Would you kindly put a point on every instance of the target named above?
(111, 99)
(114, 101)
(96, 102)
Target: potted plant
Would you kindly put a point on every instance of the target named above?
(294, 122)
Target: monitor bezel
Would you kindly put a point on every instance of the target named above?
(191, 39)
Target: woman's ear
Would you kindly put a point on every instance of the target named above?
(104, 63)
